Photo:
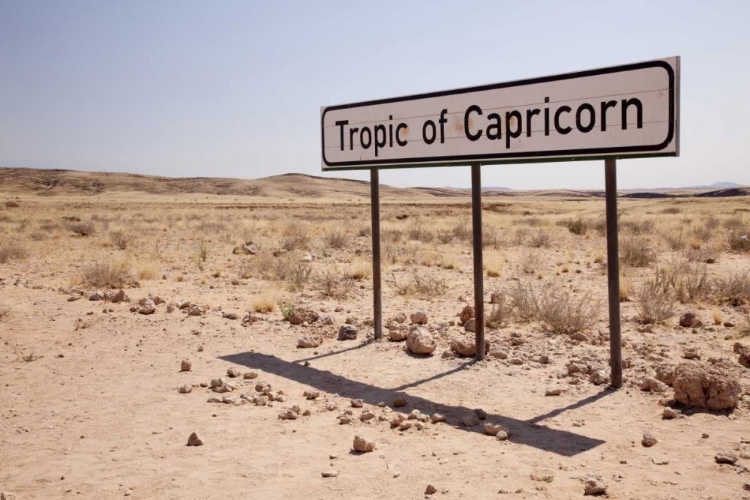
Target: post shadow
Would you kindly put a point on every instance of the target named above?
(528, 433)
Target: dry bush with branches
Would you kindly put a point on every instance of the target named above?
(295, 237)
(564, 312)
(82, 228)
(638, 227)
(531, 261)
(120, 239)
(739, 241)
(107, 275)
(420, 285)
(541, 239)
(523, 302)
(331, 284)
(10, 250)
(578, 226)
(335, 239)
(502, 310)
(636, 252)
(733, 289)
(418, 232)
(655, 299)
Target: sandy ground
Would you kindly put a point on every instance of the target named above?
(98, 414)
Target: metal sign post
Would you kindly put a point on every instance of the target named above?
(377, 303)
(476, 213)
(613, 272)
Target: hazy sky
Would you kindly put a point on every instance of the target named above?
(234, 89)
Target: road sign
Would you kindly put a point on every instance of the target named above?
(623, 111)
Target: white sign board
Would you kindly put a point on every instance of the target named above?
(623, 111)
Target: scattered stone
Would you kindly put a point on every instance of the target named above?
(309, 341)
(492, 429)
(706, 386)
(470, 421)
(594, 486)
(691, 353)
(250, 375)
(580, 336)
(652, 385)
(233, 372)
(437, 418)
(420, 341)
(230, 315)
(330, 406)
(96, 297)
(466, 347)
(194, 440)
(306, 257)
(419, 318)
(599, 377)
(466, 314)
(480, 413)
(288, 415)
(471, 325)
(398, 334)
(669, 414)
(726, 457)
(300, 316)
(363, 445)
(399, 401)
(347, 332)
(356, 403)
(543, 476)
(648, 440)
(552, 391)
(329, 473)
(186, 365)
(117, 297)
(430, 490)
(367, 415)
(405, 425)
(248, 248)
(185, 389)
(306, 413)
(744, 352)
(146, 306)
(729, 324)
(690, 320)
(502, 436)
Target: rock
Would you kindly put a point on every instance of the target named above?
(398, 334)
(185, 389)
(227, 400)
(399, 401)
(690, 320)
(430, 490)
(552, 391)
(437, 418)
(363, 445)
(230, 315)
(420, 341)
(665, 374)
(367, 415)
(309, 341)
(419, 318)
(347, 332)
(117, 297)
(470, 325)
(306, 257)
(744, 352)
(300, 316)
(502, 436)
(248, 248)
(594, 486)
(470, 421)
(405, 425)
(580, 336)
(726, 457)
(233, 372)
(466, 314)
(250, 375)
(186, 365)
(345, 419)
(448, 354)
(706, 386)
(326, 320)
(7, 496)
(330, 406)
(329, 473)
(170, 308)
(357, 403)
(146, 306)
(729, 324)
(669, 414)
(492, 429)
(648, 440)
(289, 414)
(311, 395)
(599, 378)
(650, 384)
(480, 413)
(466, 347)
(96, 297)
(691, 353)
(194, 440)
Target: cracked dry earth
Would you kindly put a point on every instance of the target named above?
(96, 410)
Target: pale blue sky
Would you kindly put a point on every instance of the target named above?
(234, 89)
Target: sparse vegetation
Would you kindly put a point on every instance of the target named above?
(332, 285)
(564, 312)
(263, 304)
(120, 239)
(733, 289)
(636, 252)
(105, 275)
(501, 312)
(655, 299)
(11, 250)
(335, 239)
(578, 226)
(82, 228)
(424, 285)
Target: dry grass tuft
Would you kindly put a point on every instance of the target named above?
(502, 311)
(733, 289)
(636, 252)
(331, 284)
(655, 299)
(263, 304)
(718, 317)
(359, 271)
(541, 239)
(10, 250)
(564, 312)
(82, 228)
(106, 275)
(739, 241)
(120, 239)
(420, 285)
(335, 239)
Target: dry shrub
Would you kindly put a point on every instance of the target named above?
(447, 261)
(707, 254)
(734, 223)
(106, 275)
(11, 204)
(718, 317)
(636, 252)
(10, 250)
(81, 228)
(148, 271)
(739, 241)
(626, 290)
(578, 226)
(690, 281)
(364, 231)
(335, 239)
(531, 261)
(331, 284)
(655, 299)
(502, 310)
(419, 285)
(295, 237)
(676, 240)
(733, 289)
(263, 304)
(637, 227)
(541, 239)
(120, 239)
(418, 232)
(444, 237)
(671, 210)
(491, 239)
(391, 235)
(359, 271)
(297, 275)
(523, 302)
(564, 312)
(462, 232)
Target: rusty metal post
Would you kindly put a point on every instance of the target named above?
(376, 285)
(613, 273)
(476, 212)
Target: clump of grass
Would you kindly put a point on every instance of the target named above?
(287, 308)
(421, 285)
(298, 275)
(531, 261)
(579, 226)
(106, 275)
(82, 228)
(11, 204)
(541, 239)
(359, 271)
(202, 254)
(733, 289)
(462, 232)
(120, 239)
(637, 227)
(671, 210)
(335, 239)
(333, 285)
(502, 311)
(418, 232)
(739, 241)
(295, 237)
(148, 271)
(718, 317)
(444, 237)
(690, 281)
(523, 302)
(636, 252)
(263, 304)
(563, 312)
(10, 250)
